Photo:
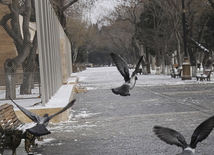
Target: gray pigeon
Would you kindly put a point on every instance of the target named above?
(124, 71)
(173, 137)
(41, 122)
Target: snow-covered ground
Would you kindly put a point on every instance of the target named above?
(109, 77)
(104, 78)
(29, 100)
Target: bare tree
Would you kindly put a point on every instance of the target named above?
(23, 44)
(130, 11)
(26, 48)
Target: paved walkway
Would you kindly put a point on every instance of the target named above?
(106, 124)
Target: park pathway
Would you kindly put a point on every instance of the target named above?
(106, 124)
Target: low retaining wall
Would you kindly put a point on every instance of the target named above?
(64, 95)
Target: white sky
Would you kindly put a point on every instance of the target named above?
(101, 8)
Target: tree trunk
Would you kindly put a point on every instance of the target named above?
(153, 62)
(168, 64)
(10, 79)
(29, 69)
(23, 45)
(158, 64)
(163, 63)
(147, 61)
(144, 64)
(172, 62)
(75, 52)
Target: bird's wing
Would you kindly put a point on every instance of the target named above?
(170, 136)
(62, 110)
(202, 132)
(137, 67)
(121, 66)
(34, 117)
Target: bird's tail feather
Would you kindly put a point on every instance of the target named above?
(122, 90)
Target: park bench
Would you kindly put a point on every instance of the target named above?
(177, 73)
(139, 70)
(12, 131)
(205, 75)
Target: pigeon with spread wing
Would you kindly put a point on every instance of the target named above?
(124, 71)
(173, 137)
(41, 122)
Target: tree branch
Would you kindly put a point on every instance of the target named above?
(5, 2)
(26, 21)
(211, 3)
(68, 5)
(201, 47)
(27, 45)
(9, 31)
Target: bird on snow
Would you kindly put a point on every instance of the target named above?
(41, 122)
(173, 137)
(124, 71)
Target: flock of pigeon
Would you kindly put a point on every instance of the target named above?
(168, 135)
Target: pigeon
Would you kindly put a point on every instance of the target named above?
(173, 137)
(123, 69)
(41, 122)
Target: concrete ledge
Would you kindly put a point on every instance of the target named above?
(73, 79)
(63, 96)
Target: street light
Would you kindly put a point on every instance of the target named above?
(186, 72)
(184, 28)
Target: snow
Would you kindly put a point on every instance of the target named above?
(29, 100)
(60, 99)
(47, 141)
(102, 78)
(109, 77)
(85, 114)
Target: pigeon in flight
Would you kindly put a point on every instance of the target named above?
(173, 137)
(41, 122)
(124, 71)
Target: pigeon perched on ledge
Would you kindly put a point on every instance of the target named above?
(41, 122)
(173, 137)
(124, 71)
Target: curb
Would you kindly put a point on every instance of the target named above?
(63, 96)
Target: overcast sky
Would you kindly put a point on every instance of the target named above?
(101, 8)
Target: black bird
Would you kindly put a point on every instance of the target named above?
(173, 137)
(124, 70)
(41, 122)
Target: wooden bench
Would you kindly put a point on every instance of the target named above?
(176, 74)
(139, 70)
(205, 75)
(10, 131)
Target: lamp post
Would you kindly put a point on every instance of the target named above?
(186, 72)
(184, 29)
